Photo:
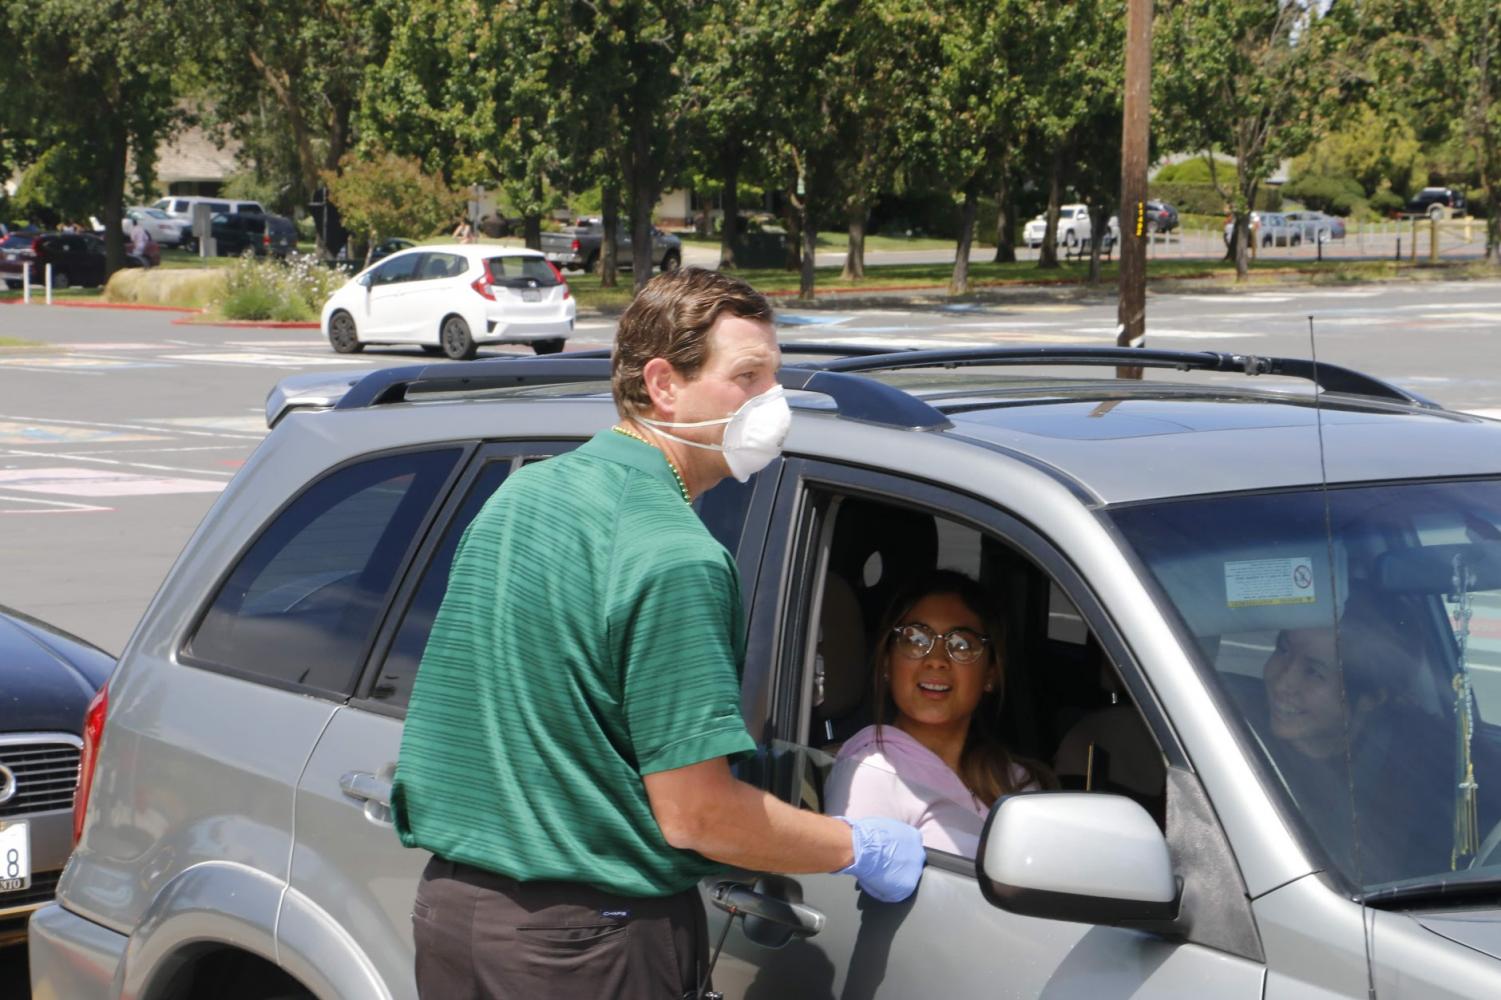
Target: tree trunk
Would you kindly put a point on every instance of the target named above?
(792, 218)
(533, 234)
(854, 258)
(1048, 258)
(114, 199)
(808, 225)
(959, 283)
(1242, 258)
(641, 185)
(1005, 235)
(729, 174)
(607, 265)
(1097, 230)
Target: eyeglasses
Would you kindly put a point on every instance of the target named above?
(915, 640)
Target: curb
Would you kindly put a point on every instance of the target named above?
(134, 306)
(189, 319)
(242, 324)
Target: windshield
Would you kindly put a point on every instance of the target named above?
(1362, 663)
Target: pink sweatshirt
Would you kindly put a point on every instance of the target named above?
(902, 779)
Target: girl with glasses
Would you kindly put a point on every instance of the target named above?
(934, 758)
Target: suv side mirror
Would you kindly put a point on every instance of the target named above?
(1080, 856)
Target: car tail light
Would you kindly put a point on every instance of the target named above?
(482, 286)
(93, 732)
(561, 280)
(265, 239)
(574, 246)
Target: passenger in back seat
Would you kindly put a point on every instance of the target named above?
(934, 758)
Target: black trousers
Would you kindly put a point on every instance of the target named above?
(483, 936)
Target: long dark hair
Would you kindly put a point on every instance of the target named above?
(985, 763)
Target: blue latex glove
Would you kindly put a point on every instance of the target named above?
(888, 857)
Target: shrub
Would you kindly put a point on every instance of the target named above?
(1325, 193)
(1196, 171)
(283, 292)
(1386, 202)
(1204, 199)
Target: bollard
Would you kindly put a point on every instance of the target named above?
(1412, 251)
(26, 283)
(47, 282)
(1433, 241)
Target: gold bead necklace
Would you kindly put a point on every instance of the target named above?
(687, 497)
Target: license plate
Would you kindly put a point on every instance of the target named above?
(15, 856)
(10, 256)
(531, 295)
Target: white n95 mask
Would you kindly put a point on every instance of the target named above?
(753, 434)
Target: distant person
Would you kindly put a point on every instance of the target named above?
(934, 758)
(463, 232)
(141, 243)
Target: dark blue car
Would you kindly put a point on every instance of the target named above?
(47, 678)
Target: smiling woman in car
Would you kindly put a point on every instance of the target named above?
(934, 758)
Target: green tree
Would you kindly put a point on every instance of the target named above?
(89, 85)
(387, 194)
(984, 100)
(1440, 60)
(727, 74)
(881, 87)
(1256, 78)
(305, 59)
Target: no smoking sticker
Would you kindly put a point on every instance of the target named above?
(1253, 583)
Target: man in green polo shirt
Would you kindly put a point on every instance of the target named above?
(566, 751)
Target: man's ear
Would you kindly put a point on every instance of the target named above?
(661, 385)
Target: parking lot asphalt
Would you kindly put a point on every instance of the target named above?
(118, 429)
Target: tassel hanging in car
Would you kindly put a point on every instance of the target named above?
(1466, 818)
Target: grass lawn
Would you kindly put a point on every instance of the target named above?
(840, 240)
(934, 278)
(38, 294)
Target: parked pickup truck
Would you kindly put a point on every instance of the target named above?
(577, 247)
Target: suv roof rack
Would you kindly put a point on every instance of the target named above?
(1330, 378)
(855, 398)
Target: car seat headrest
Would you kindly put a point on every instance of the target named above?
(841, 649)
(906, 542)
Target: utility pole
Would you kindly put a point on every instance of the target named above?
(1132, 315)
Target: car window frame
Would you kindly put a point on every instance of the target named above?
(211, 593)
(1202, 857)
(518, 452)
(804, 477)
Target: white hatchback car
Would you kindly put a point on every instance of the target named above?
(453, 298)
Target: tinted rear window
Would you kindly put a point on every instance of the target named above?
(301, 606)
(521, 271)
(16, 242)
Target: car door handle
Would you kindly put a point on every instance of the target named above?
(366, 787)
(798, 917)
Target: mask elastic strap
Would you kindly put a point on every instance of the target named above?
(691, 444)
(694, 423)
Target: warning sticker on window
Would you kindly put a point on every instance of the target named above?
(1251, 583)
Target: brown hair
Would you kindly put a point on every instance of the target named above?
(985, 763)
(670, 319)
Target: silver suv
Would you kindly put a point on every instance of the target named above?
(1164, 554)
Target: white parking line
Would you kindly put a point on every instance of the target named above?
(68, 457)
(48, 506)
(131, 427)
